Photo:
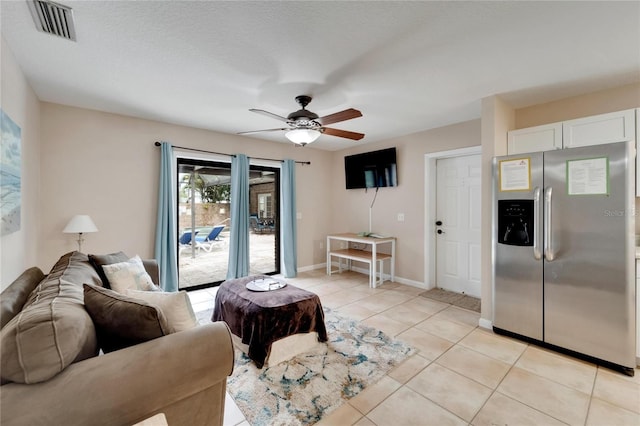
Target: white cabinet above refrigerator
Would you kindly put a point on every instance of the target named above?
(535, 139)
(619, 126)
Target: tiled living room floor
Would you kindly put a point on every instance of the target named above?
(462, 374)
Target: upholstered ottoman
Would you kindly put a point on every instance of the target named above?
(270, 326)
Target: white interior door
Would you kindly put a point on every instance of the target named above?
(458, 224)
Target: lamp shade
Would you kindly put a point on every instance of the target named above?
(302, 136)
(80, 223)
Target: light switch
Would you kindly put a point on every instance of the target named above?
(298, 215)
(400, 217)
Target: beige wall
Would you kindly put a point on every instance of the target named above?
(616, 99)
(106, 166)
(497, 118)
(351, 207)
(19, 102)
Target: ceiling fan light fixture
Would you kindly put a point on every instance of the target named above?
(305, 126)
(302, 136)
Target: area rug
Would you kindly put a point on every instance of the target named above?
(456, 299)
(308, 387)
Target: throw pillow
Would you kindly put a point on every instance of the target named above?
(176, 307)
(122, 321)
(99, 260)
(129, 275)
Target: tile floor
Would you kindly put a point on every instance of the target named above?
(462, 374)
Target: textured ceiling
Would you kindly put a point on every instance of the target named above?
(408, 66)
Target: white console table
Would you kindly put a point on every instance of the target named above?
(373, 257)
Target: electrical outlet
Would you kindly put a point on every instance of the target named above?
(400, 217)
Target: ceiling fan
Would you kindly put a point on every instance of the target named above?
(305, 126)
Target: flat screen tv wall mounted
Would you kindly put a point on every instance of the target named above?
(375, 169)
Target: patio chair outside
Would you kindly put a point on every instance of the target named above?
(207, 243)
(185, 240)
(256, 226)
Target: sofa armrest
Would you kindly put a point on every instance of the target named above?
(14, 297)
(151, 266)
(129, 385)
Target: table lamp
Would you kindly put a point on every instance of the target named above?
(80, 224)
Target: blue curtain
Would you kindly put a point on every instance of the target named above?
(288, 219)
(239, 238)
(165, 250)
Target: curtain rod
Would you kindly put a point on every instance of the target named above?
(228, 155)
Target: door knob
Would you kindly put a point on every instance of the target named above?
(440, 231)
(438, 223)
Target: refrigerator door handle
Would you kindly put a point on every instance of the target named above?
(536, 223)
(549, 255)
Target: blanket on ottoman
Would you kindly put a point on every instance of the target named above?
(261, 318)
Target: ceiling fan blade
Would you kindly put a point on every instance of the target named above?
(269, 114)
(258, 131)
(347, 114)
(342, 133)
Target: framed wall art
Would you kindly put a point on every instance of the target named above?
(10, 175)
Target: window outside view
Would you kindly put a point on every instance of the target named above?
(204, 205)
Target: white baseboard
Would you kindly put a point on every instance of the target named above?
(312, 267)
(397, 279)
(411, 283)
(485, 323)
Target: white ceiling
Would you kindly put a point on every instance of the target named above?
(408, 66)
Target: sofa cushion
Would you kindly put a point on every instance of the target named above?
(127, 275)
(122, 321)
(14, 297)
(176, 307)
(53, 329)
(73, 267)
(99, 260)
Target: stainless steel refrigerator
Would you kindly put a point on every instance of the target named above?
(564, 249)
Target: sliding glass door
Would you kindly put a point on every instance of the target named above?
(264, 220)
(204, 223)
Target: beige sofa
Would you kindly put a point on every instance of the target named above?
(182, 375)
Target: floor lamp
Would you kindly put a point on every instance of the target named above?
(80, 224)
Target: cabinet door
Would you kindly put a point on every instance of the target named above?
(535, 139)
(599, 129)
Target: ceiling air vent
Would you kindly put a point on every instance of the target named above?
(53, 18)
